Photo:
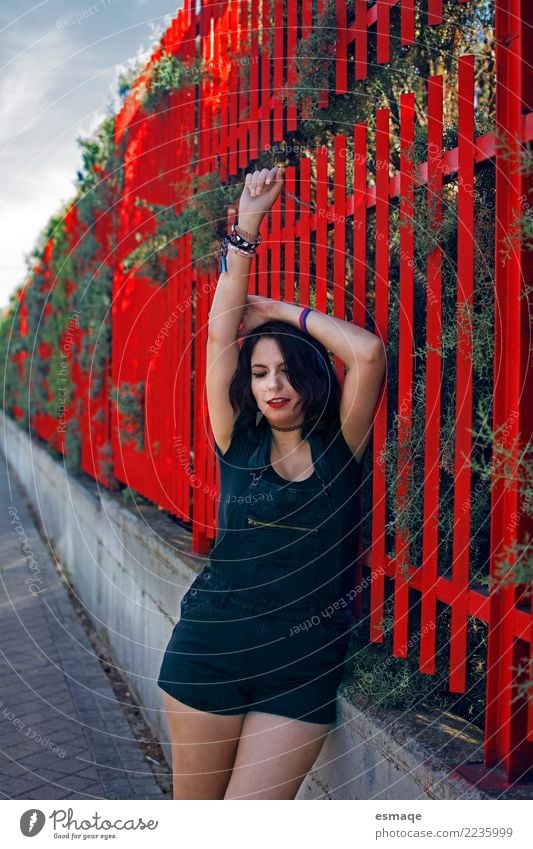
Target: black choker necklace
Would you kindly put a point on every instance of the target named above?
(292, 427)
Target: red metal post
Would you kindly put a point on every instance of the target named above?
(433, 382)
(463, 376)
(508, 739)
(377, 591)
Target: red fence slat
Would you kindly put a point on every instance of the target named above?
(321, 229)
(433, 382)
(361, 39)
(244, 90)
(434, 12)
(304, 233)
(383, 31)
(408, 22)
(278, 80)
(265, 76)
(380, 420)
(339, 238)
(464, 375)
(341, 49)
(254, 81)
(405, 370)
(288, 229)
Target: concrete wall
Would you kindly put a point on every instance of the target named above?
(130, 568)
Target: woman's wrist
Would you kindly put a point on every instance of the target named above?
(250, 222)
(249, 235)
(284, 311)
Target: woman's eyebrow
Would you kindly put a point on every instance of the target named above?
(263, 366)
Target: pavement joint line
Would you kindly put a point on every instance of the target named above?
(53, 617)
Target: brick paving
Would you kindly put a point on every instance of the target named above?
(63, 735)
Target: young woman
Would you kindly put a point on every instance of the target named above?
(253, 665)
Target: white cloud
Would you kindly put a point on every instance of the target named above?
(26, 85)
(57, 83)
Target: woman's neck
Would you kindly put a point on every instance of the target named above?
(284, 443)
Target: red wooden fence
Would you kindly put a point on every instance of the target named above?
(159, 331)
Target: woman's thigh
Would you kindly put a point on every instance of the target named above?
(274, 755)
(203, 749)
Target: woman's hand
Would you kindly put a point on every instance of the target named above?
(256, 310)
(261, 190)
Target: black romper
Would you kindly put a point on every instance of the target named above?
(266, 624)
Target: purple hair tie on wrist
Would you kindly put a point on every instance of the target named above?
(303, 318)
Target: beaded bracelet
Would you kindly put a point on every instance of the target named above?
(237, 239)
(244, 233)
(240, 251)
(238, 244)
(225, 245)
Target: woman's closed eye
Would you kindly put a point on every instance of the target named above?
(263, 373)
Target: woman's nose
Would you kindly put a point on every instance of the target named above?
(273, 381)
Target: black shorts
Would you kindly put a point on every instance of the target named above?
(232, 652)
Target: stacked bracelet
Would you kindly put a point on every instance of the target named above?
(244, 233)
(236, 242)
(232, 247)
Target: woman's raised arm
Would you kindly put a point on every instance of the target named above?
(260, 191)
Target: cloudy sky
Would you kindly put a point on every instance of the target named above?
(59, 68)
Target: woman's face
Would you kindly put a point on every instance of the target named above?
(270, 380)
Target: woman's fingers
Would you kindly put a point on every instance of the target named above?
(257, 179)
(272, 175)
(253, 185)
(249, 182)
(260, 179)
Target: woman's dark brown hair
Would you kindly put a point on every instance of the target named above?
(309, 371)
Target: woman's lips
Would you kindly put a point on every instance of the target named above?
(278, 403)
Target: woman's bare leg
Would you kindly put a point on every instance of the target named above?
(274, 756)
(203, 750)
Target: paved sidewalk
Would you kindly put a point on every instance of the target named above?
(63, 735)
